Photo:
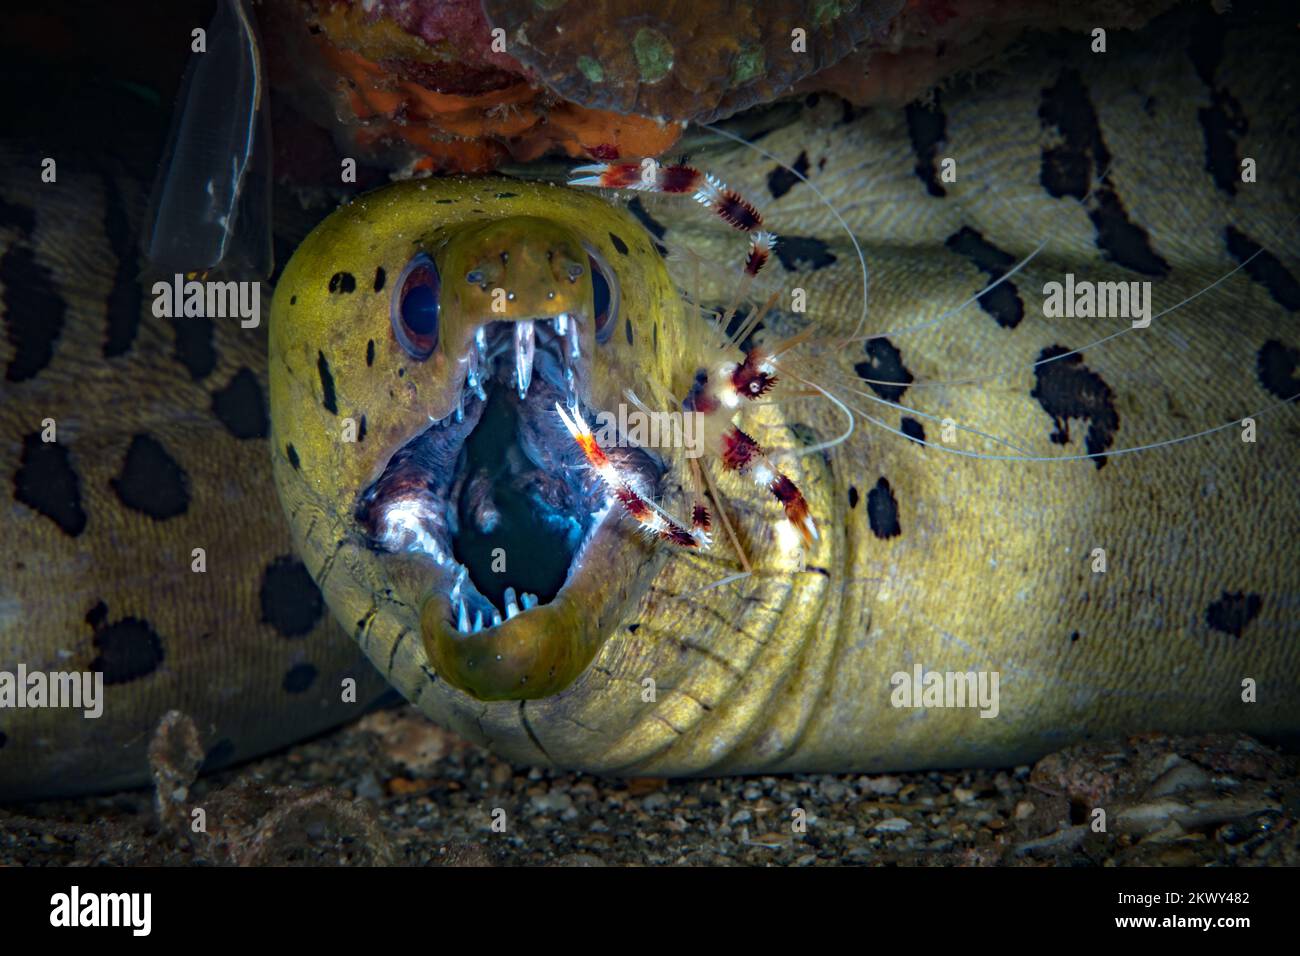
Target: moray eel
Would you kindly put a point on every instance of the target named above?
(634, 657)
(1108, 585)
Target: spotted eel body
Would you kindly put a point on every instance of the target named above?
(1124, 167)
(160, 449)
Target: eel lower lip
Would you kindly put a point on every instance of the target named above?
(542, 650)
(500, 502)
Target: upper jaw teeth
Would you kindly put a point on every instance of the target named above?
(525, 348)
(478, 361)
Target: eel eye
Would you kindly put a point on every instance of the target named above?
(415, 307)
(604, 294)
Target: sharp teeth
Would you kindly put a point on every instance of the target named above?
(455, 588)
(462, 623)
(478, 621)
(512, 605)
(496, 618)
(478, 390)
(480, 341)
(562, 323)
(529, 600)
(524, 347)
(460, 407)
(572, 389)
(573, 346)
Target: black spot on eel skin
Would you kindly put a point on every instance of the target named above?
(292, 454)
(803, 254)
(240, 406)
(343, 283)
(884, 364)
(781, 180)
(619, 244)
(34, 312)
(882, 511)
(151, 482)
(128, 650)
(380, 278)
(194, 347)
(1068, 389)
(299, 678)
(1223, 122)
(1003, 301)
(1275, 364)
(1232, 612)
(1264, 267)
(97, 615)
(912, 429)
(1067, 171)
(926, 125)
(291, 602)
(653, 226)
(326, 384)
(46, 481)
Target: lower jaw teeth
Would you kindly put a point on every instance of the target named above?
(513, 608)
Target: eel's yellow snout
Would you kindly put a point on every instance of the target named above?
(517, 268)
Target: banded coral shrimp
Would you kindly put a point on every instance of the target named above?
(873, 390)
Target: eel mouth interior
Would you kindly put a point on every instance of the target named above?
(497, 495)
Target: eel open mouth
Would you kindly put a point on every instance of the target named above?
(497, 494)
